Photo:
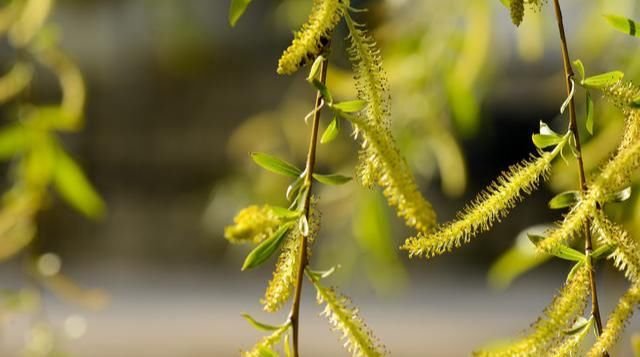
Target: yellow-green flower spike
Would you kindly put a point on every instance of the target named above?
(253, 225)
(616, 322)
(548, 331)
(267, 343)
(380, 162)
(344, 319)
(626, 251)
(490, 206)
(309, 41)
(517, 11)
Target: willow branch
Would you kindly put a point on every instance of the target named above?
(573, 127)
(294, 315)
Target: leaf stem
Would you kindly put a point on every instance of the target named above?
(573, 127)
(294, 315)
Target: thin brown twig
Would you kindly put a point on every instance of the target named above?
(573, 127)
(294, 316)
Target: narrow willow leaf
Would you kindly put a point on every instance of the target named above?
(294, 187)
(624, 24)
(590, 114)
(332, 179)
(580, 68)
(570, 347)
(275, 165)
(285, 213)
(259, 325)
(602, 251)
(320, 274)
(344, 319)
(286, 346)
(574, 269)
(543, 141)
(265, 249)
(579, 326)
(264, 348)
(616, 322)
(619, 196)
(74, 187)
(324, 91)
(568, 253)
(352, 106)
(236, 10)
(564, 200)
(331, 132)
(603, 80)
(315, 68)
(546, 130)
(547, 331)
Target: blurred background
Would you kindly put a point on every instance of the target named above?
(175, 101)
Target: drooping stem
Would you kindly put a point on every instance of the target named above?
(573, 127)
(294, 316)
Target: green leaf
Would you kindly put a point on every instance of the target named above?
(624, 24)
(542, 141)
(13, 141)
(74, 187)
(265, 351)
(285, 213)
(324, 91)
(259, 325)
(286, 346)
(331, 132)
(564, 199)
(580, 68)
(589, 122)
(619, 196)
(275, 165)
(602, 251)
(568, 253)
(579, 326)
(603, 80)
(546, 130)
(535, 238)
(574, 269)
(332, 179)
(236, 10)
(352, 106)
(321, 274)
(264, 250)
(315, 68)
(294, 187)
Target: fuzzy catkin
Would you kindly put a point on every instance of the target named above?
(490, 206)
(380, 162)
(357, 337)
(616, 322)
(517, 11)
(625, 254)
(309, 41)
(547, 332)
(267, 342)
(253, 225)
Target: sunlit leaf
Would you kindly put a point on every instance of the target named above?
(236, 10)
(579, 326)
(580, 68)
(275, 165)
(332, 179)
(590, 114)
(331, 132)
(259, 325)
(315, 68)
(603, 80)
(264, 250)
(324, 91)
(74, 187)
(602, 251)
(619, 196)
(352, 106)
(624, 24)
(321, 274)
(543, 141)
(564, 199)
(285, 213)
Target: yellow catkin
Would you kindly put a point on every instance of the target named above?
(267, 342)
(623, 94)
(517, 11)
(283, 282)
(570, 347)
(490, 206)
(344, 319)
(309, 41)
(380, 161)
(626, 251)
(253, 225)
(615, 175)
(548, 331)
(616, 322)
